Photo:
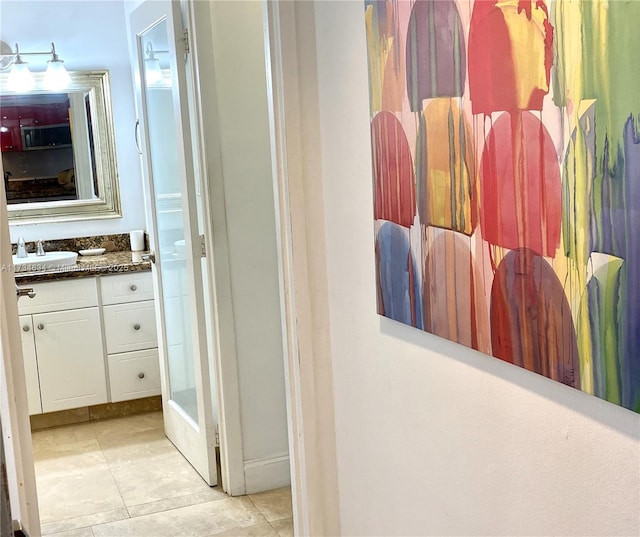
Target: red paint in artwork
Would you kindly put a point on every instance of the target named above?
(498, 81)
(492, 78)
(531, 322)
(395, 190)
(521, 190)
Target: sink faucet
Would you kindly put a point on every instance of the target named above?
(40, 248)
(22, 248)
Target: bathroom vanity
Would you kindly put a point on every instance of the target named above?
(89, 334)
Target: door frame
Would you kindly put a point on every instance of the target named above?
(14, 407)
(292, 72)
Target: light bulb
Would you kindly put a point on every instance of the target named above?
(20, 78)
(152, 72)
(56, 77)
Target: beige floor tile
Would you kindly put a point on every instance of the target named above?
(274, 504)
(135, 447)
(179, 501)
(202, 520)
(261, 530)
(82, 532)
(77, 494)
(126, 425)
(68, 458)
(157, 479)
(283, 527)
(83, 522)
(68, 434)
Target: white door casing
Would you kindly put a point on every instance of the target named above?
(14, 411)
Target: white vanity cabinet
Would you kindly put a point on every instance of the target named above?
(89, 341)
(30, 365)
(63, 322)
(130, 333)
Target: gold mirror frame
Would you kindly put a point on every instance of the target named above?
(96, 84)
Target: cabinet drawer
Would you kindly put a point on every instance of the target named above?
(134, 374)
(126, 288)
(60, 295)
(130, 327)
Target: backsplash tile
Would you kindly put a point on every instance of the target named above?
(111, 243)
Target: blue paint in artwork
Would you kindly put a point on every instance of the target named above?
(614, 230)
(398, 280)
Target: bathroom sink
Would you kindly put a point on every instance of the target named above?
(49, 261)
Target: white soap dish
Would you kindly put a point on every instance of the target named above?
(92, 251)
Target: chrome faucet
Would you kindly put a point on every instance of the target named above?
(40, 248)
(22, 248)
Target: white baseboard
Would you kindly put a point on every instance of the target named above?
(266, 474)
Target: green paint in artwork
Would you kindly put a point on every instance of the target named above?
(608, 64)
(620, 70)
(603, 301)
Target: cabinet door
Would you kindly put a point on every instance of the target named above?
(71, 359)
(10, 136)
(30, 365)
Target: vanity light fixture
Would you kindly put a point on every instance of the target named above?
(152, 72)
(56, 76)
(20, 77)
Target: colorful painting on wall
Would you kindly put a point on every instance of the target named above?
(506, 161)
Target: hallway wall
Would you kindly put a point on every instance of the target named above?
(432, 437)
(243, 220)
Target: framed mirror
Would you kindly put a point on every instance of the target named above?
(58, 150)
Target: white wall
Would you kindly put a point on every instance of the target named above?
(245, 153)
(434, 438)
(88, 35)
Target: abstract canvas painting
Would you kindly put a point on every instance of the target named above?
(506, 169)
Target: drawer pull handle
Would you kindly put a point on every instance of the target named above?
(26, 328)
(133, 287)
(141, 375)
(136, 326)
(40, 326)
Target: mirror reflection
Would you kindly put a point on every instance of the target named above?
(58, 150)
(47, 151)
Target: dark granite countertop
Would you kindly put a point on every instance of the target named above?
(86, 266)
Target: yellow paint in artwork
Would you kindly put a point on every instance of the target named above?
(527, 49)
(393, 86)
(583, 335)
(568, 46)
(574, 280)
(577, 183)
(579, 172)
(386, 68)
(450, 174)
(378, 52)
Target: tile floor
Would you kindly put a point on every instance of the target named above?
(122, 477)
